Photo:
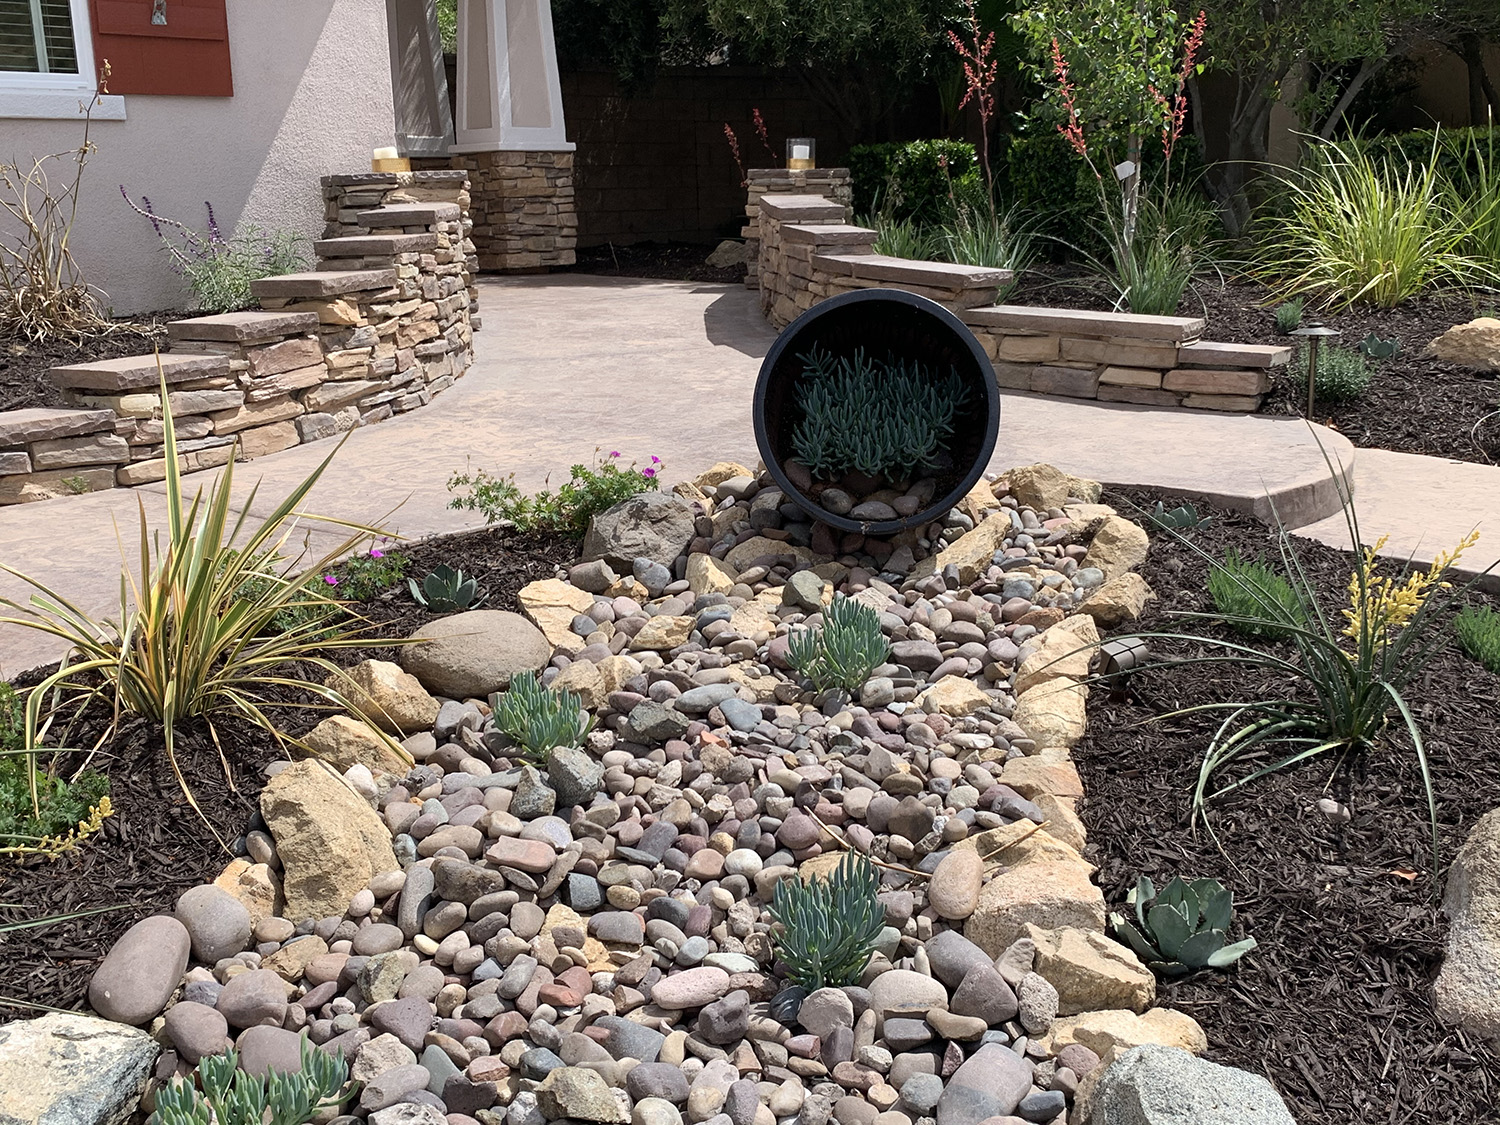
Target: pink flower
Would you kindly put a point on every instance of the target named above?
(614, 453)
(331, 579)
(377, 554)
(648, 473)
(656, 460)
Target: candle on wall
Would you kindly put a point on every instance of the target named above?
(801, 153)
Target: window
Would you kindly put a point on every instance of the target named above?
(47, 61)
(36, 36)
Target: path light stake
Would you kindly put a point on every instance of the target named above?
(1315, 332)
(1118, 659)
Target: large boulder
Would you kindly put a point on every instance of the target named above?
(139, 974)
(1119, 546)
(1155, 1085)
(469, 655)
(1466, 992)
(653, 525)
(393, 700)
(1091, 972)
(328, 837)
(1043, 486)
(71, 1069)
(1474, 345)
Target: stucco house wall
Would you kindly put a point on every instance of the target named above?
(312, 96)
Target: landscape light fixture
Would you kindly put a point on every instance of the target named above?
(1119, 658)
(1315, 332)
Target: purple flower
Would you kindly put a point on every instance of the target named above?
(656, 460)
(331, 579)
(615, 453)
(648, 473)
(375, 554)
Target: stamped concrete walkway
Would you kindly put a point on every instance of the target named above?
(570, 363)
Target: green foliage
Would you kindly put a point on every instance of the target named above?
(1173, 243)
(447, 18)
(829, 926)
(1184, 517)
(1289, 315)
(1343, 373)
(539, 719)
(869, 173)
(364, 576)
(1376, 348)
(892, 417)
(1007, 240)
(446, 590)
(63, 803)
(1367, 231)
(844, 652)
(1479, 635)
(589, 491)
(924, 177)
(1242, 589)
(1183, 929)
(903, 238)
(221, 279)
(233, 1097)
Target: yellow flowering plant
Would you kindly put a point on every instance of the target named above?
(1354, 665)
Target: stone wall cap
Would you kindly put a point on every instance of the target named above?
(248, 324)
(1211, 353)
(939, 275)
(40, 423)
(136, 372)
(789, 176)
(409, 214)
(326, 283)
(1081, 322)
(374, 245)
(832, 234)
(803, 207)
(360, 179)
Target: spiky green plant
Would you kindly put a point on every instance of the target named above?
(1241, 588)
(1289, 315)
(540, 719)
(1183, 929)
(1479, 635)
(231, 1096)
(888, 417)
(829, 926)
(1184, 517)
(446, 590)
(844, 651)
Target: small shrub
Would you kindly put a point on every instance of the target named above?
(844, 652)
(1343, 373)
(903, 238)
(1183, 929)
(589, 491)
(891, 418)
(870, 172)
(539, 719)
(829, 926)
(233, 1097)
(362, 577)
(65, 811)
(1479, 635)
(924, 176)
(1289, 315)
(446, 590)
(1252, 598)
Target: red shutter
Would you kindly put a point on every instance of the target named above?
(189, 54)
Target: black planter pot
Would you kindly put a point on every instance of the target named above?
(882, 322)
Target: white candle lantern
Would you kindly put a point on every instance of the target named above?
(801, 153)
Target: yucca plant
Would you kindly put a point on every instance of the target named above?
(829, 926)
(1362, 230)
(234, 1097)
(446, 590)
(1183, 929)
(1354, 665)
(195, 637)
(538, 718)
(1006, 240)
(844, 652)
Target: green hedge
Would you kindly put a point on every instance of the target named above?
(1415, 147)
(870, 172)
(908, 181)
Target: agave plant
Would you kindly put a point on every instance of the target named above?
(1184, 517)
(1183, 929)
(829, 926)
(446, 590)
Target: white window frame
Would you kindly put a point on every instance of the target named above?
(61, 96)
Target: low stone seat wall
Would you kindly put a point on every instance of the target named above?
(807, 252)
(46, 453)
(834, 184)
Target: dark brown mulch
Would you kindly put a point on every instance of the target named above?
(1414, 403)
(155, 846)
(1334, 1007)
(673, 261)
(24, 365)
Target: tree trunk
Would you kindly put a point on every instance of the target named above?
(1368, 69)
(1130, 190)
(1483, 101)
(1245, 153)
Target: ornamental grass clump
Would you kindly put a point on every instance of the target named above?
(829, 926)
(231, 1096)
(540, 719)
(205, 630)
(888, 418)
(1241, 590)
(1479, 635)
(1352, 668)
(844, 652)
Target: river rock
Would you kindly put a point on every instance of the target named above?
(139, 974)
(953, 891)
(469, 655)
(216, 921)
(990, 1084)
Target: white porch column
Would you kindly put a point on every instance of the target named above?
(424, 122)
(509, 95)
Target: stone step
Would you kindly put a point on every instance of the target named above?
(801, 208)
(1209, 353)
(409, 215)
(936, 275)
(239, 327)
(1081, 322)
(21, 427)
(374, 245)
(834, 234)
(137, 372)
(322, 283)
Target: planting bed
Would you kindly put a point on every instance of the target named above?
(24, 365)
(669, 261)
(1335, 1006)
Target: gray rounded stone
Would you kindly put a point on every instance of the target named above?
(264, 1049)
(216, 921)
(1156, 1085)
(196, 1030)
(653, 525)
(138, 976)
(470, 655)
(254, 998)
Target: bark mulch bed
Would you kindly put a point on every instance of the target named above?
(669, 261)
(1414, 403)
(24, 364)
(1335, 1006)
(155, 846)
